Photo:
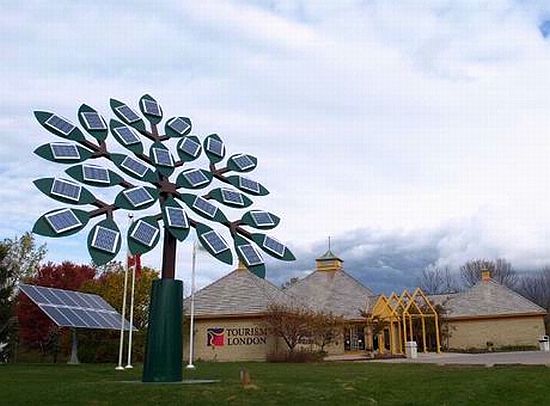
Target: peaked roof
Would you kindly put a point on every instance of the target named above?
(328, 256)
(335, 291)
(237, 293)
(487, 299)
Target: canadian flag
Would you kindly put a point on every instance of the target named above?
(135, 261)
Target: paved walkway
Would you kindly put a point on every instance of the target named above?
(449, 358)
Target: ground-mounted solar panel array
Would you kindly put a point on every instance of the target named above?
(145, 233)
(63, 220)
(93, 120)
(178, 125)
(68, 308)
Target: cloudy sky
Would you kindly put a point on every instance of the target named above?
(412, 133)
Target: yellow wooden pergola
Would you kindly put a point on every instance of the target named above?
(399, 311)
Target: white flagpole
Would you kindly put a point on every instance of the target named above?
(121, 344)
(130, 332)
(192, 315)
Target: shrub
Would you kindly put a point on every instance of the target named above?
(299, 356)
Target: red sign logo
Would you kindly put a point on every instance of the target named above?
(215, 337)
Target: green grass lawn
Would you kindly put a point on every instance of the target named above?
(287, 384)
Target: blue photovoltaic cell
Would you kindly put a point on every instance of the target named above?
(95, 174)
(70, 314)
(214, 146)
(105, 239)
(134, 166)
(177, 217)
(250, 255)
(243, 162)
(34, 294)
(145, 233)
(66, 298)
(93, 120)
(62, 220)
(216, 243)
(88, 320)
(127, 135)
(190, 147)
(64, 151)
(162, 157)
(205, 207)
(178, 125)
(274, 246)
(262, 218)
(195, 177)
(60, 124)
(138, 196)
(230, 196)
(74, 309)
(66, 189)
(249, 185)
(77, 299)
(129, 115)
(151, 107)
(51, 297)
(59, 318)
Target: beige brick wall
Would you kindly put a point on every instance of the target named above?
(501, 332)
(243, 340)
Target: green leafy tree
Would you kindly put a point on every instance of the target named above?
(7, 317)
(23, 256)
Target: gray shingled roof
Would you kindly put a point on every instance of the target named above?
(237, 293)
(333, 291)
(487, 299)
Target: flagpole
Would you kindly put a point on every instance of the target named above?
(192, 315)
(121, 344)
(130, 332)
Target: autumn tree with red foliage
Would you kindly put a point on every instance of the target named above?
(35, 328)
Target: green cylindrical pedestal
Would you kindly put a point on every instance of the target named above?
(163, 351)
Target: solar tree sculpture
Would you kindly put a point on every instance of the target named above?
(151, 183)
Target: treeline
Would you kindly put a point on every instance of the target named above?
(27, 334)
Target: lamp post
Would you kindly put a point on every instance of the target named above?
(150, 183)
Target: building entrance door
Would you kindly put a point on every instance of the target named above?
(355, 339)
